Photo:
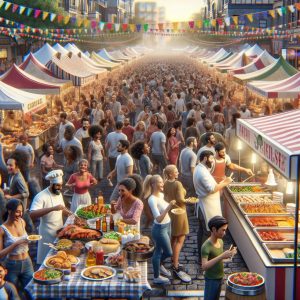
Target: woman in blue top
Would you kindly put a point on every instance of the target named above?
(14, 244)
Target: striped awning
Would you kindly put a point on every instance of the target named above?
(276, 138)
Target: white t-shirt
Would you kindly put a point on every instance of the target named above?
(113, 139)
(157, 206)
(156, 140)
(123, 162)
(81, 134)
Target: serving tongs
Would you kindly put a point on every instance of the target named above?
(75, 216)
(50, 246)
(248, 178)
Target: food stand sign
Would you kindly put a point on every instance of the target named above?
(271, 152)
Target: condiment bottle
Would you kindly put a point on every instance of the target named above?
(100, 200)
(104, 224)
(73, 267)
(90, 258)
(111, 223)
(98, 224)
(100, 256)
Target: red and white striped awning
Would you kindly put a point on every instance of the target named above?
(276, 138)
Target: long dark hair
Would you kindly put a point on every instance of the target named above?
(12, 205)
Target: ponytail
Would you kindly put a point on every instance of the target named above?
(147, 187)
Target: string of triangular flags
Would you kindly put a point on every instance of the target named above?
(175, 26)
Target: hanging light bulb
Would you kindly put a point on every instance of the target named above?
(253, 158)
(289, 188)
(239, 145)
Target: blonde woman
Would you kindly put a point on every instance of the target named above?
(140, 132)
(153, 191)
(173, 190)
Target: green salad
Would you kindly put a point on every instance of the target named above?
(112, 235)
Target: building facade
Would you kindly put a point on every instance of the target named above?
(147, 12)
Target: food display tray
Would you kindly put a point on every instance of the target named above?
(268, 247)
(284, 232)
(252, 184)
(248, 219)
(263, 213)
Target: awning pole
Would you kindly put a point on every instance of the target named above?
(296, 229)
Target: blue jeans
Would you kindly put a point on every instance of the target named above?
(19, 271)
(97, 169)
(161, 237)
(212, 289)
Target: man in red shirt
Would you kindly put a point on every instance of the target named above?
(128, 130)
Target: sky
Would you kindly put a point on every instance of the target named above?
(180, 10)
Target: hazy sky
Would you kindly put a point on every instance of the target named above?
(179, 10)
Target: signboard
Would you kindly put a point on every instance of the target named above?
(272, 153)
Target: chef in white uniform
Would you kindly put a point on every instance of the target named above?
(48, 205)
(208, 192)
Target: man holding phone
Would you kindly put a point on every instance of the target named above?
(212, 257)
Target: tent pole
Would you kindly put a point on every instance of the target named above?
(297, 192)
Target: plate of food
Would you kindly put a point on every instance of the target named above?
(108, 245)
(138, 251)
(192, 200)
(177, 211)
(98, 273)
(61, 261)
(246, 280)
(74, 232)
(48, 276)
(115, 260)
(92, 211)
(34, 237)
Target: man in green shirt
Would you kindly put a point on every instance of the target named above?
(212, 257)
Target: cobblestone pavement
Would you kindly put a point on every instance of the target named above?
(188, 256)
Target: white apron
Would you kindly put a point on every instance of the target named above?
(210, 207)
(49, 224)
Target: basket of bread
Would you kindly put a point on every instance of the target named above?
(61, 261)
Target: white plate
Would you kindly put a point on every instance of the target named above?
(49, 266)
(38, 237)
(89, 244)
(100, 279)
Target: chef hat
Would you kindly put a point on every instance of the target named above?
(55, 176)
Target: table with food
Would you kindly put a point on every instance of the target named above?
(92, 260)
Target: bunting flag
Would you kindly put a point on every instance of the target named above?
(45, 15)
(1, 3)
(235, 20)
(160, 26)
(101, 25)
(283, 10)
(250, 17)
(109, 26)
(199, 24)
(132, 27)
(291, 8)
(37, 12)
(73, 20)
(192, 24)
(146, 27)
(279, 11)
(175, 26)
(138, 27)
(272, 13)
(79, 22)
(7, 5)
(52, 17)
(220, 21)
(86, 23)
(213, 22)
(60, 18)
(66, 19)
(29, 11)
(297, 6)
(124, 27)
(117, 27)
(227, 21)
(15, 7)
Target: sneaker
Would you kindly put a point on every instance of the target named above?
(161, 280)
(164, 271)
(181, 274)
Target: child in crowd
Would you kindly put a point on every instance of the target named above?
(212, 258)
(7, 289)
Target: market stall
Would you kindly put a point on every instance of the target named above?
(44, 54)
(104, 54)
(95, 264)
(262, 219)
(26, 106)
(102, 62)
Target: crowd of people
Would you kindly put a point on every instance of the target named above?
(159, 130)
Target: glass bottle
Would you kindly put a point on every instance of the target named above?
(111, 223)
(100, 199)
(104, 224)
(98, 224)
(90, 258)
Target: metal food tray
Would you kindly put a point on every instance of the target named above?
(276, 229)
(247, 217)
(263, 213)
(278, 246)
(253, 194)
(265, 193)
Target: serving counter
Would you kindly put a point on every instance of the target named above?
(278, 273)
